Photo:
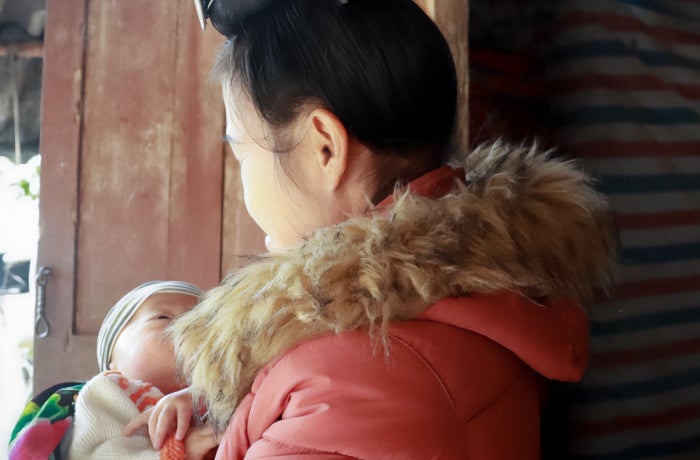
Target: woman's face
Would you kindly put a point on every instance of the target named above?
(142, 350)
(288, 203)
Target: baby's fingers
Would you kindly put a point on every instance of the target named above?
(154, 426)
(136, 423)
(167, 420)
(183, 423)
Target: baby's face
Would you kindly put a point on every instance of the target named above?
(142, 350)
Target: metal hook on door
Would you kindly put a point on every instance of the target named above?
(42, 328)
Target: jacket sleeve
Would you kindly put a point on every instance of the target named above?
(336, 398)
(265, 449)
(102, 411)
(236, 443)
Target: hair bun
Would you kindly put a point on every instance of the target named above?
(229, 16)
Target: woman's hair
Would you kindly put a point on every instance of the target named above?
(381, 66)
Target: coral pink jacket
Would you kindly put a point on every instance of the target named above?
(463, 376)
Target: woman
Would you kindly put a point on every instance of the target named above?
(416, 324)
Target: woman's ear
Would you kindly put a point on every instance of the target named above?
(329, 141)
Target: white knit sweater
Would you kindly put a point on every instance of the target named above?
(104, 406)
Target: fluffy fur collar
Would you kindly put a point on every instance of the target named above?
(524, 222)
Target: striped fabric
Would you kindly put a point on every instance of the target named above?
(118, 317)
(623, 78)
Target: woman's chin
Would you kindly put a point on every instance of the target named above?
(275, 246)
(271, 245)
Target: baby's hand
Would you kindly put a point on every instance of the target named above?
(172, 412)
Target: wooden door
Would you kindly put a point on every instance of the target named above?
(132, 165)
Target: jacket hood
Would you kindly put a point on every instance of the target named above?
(550, 337)
(521, 223)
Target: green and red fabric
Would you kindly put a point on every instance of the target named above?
(44, 423)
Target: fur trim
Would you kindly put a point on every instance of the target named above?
(523, 222)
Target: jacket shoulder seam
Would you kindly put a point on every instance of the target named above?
(437, 377)
(505, 390)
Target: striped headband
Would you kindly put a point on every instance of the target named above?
(120, 314)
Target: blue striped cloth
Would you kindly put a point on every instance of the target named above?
(624, 89)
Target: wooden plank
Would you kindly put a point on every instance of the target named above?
(126, 153)
(452, 16)
(60, 148)
(196, 195)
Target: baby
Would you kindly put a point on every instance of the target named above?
(137, 368)
(137, 365)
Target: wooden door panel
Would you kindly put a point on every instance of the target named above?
(60, 146)
(140, 184)
(452, 16)
(198, 150)
(132, 175)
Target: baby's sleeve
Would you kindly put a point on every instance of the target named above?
(104, 406)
